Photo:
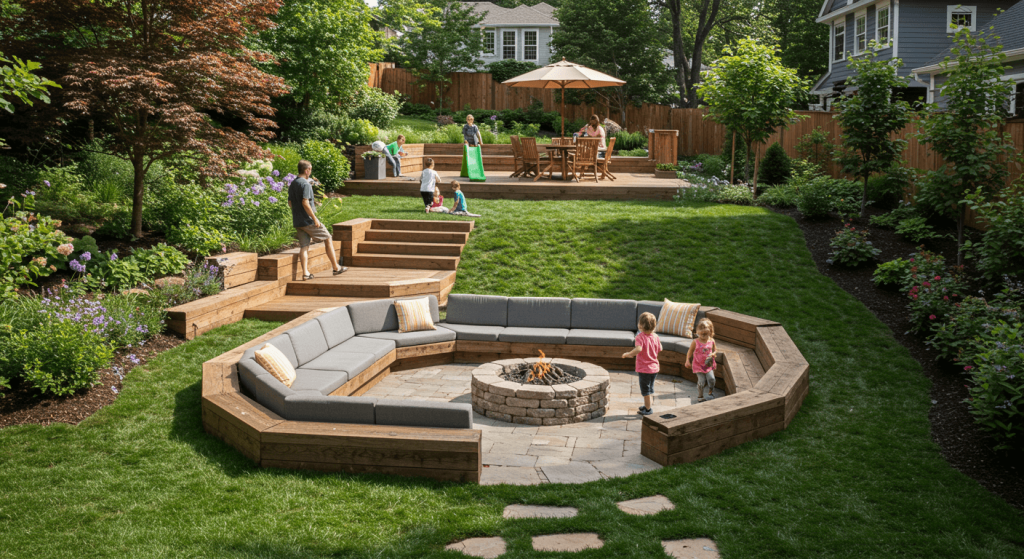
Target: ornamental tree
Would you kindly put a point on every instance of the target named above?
(750, 92)
(965, 133)
(18, 80)
(448, 42)
(151, 72)
(870, 117)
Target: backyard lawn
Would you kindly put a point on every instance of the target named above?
(855, 475)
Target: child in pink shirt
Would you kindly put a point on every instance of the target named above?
(646, 347)
(701, 358)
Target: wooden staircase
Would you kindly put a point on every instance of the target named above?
(407, 244)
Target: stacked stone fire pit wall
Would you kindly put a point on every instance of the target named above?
(531, 404)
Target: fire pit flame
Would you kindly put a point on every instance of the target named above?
(539, 369)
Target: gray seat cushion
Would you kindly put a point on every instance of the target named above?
(414, 338)
(534, 335)
(337, 326)
(675, 343)
(618, 338)
(310, 405)
(362, 344)
(418, 413)
(539, 312)
(380, 315)
(308, 341)
(337, 360)
(604, 314)
(474, 332)
(265, 389)
(481, 310)
(323, 382)
(282, 342)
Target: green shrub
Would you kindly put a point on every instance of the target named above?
(955, 339)
(60, 357)
(887, 190)
(775, 167)
(19, 175)
(997, 384)
(312, 124)
(736, 194)
(28, 247)
(712, 189)
(63, 195)
(816, 147)
(377, 107)
(845, 195)
(814, 200)
(916, 229)
(639, 152)
(201, 280)
(287, 157)
(891, 219)
(330, 166)
(629, 141)
(198, 239)
(779, 196)
(894, 273)
(1001, 250)
(851, 247)
(160, 260)
(707, 165)
(504, 70)
(933, 299)
(931, 197)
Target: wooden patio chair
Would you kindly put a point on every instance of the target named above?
(585, 161)
(531, 159)
(517, 157)
(602, 164)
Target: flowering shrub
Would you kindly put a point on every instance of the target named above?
(255, 205)
(1001, 250)
(201, 280)
(30, 244)
(997, 384)
(711, 189)
(372, 154)
(60, 357)
(932, 299)
(851, 247)
(956, 339)
(99, 271)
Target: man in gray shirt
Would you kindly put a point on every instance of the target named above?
(308, 227)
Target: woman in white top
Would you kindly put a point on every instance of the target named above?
(593, 129)
(428, 181)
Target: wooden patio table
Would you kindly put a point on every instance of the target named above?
(565, 160)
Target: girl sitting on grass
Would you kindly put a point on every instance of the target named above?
(438, 205)
(460, 201)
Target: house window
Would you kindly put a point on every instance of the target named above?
(960, 17)
(860, 27)
(839, 42)
(529, 45)
(489, 43)
(1018, 101)
(882, 26)
(508, 44)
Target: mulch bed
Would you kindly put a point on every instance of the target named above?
(961, 442)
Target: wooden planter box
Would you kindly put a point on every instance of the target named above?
(664, 174)
(375, 168)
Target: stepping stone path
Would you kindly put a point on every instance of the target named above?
(697, 548)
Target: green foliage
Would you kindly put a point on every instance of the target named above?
(626, 141)
(448, 42)
(323, 125)
(665, 167)
(60, 357)
(377, 107)
(28, 246)
(19, 80)
(712, 189)
(710, 166)
(160, 260)
(956, 339)
(1001, 250)
(801, 38)
(814, 200)
(775, 167)
(287, 157)
(887, 190)
(507, 69)
(916, 229)
(816, 147)
(750, 92)
(894, 273)
(201, 280)
(889, 220)
(997, 385)
(65, 196)
(933, 298)
(780, 196)
(638, 152)
(851, 247)
(330, 166)
(19, 175)
(198, 239)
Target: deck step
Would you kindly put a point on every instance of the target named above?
(431, 249)
(379, 283)
(422, 225)
(386, 235)
(293, 306)
(408, 261)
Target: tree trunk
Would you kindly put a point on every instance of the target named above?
(864, 200)
(961, 218)
(139, 190)
(678, 54)
(746, 165)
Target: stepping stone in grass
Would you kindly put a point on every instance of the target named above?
(567, 542)
(533, 511)
(645, 506)
(696, 548)
(488, 548)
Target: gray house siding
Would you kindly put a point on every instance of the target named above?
(840, 69)
(543, 44)
(1015, 68)
(923, 33)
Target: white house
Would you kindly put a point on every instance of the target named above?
(521, 33)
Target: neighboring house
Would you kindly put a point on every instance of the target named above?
(916, 31)
(1009, 27)
(521, 33)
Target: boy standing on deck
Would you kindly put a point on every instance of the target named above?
(646, 348)
(308, 227)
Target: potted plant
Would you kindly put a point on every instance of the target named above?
(373, 163)
(665, 171)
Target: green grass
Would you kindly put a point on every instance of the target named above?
(855, 475)
(417, 124)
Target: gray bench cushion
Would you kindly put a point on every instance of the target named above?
(323, 382)
(310, 405)
(282, 342)
(534, 335)
(418, 413)
(474, 332)
(654, 307)
(481, 310)
(338, 360)
(264, 388)
(539, 312)
(619, 338)
(380, 315)
(675, 343)
(337, 326)
(308, 341)
(604, 314)
(363, 344)
(414, 338)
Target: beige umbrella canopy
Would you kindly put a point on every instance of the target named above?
(563, 75)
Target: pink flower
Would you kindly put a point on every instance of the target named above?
(914, 295)
(926, 284)
(937, 278)
(968, 368)
(66, 249)
(911, 259)
(945, 298)
(932, 317)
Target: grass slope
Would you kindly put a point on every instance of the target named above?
(855, 475)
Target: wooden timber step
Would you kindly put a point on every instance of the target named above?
(376, 283)
(416, 236)
(434, 249)
(290, 307)
(418, 262)
(422, 225)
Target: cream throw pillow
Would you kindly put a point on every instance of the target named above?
(271, 359)
(414, 315)
(677, 319)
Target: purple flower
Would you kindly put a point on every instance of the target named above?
(133, 358)
(113, 257)
(276, 172)
(114, 388)
(272, 200)
(256, 203)
(47, 183)
(77, 266)
(86, 257)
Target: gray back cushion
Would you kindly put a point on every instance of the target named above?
(266, 389)
(308, 341)
(380, 315)
(337, 326)
(604, 314)
(310, 405)
(420, 413)
(282, 342)
(480, 310)
(539, 312)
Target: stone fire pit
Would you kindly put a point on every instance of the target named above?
(532, 404)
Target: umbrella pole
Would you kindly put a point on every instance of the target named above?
(563, 110)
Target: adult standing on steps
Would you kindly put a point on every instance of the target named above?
(308, 227)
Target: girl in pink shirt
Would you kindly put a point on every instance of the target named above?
(646, 347)
(702, 356)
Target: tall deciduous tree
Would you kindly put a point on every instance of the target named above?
(18, 80)
(750, 92)
(801, 39)
(618, 37)
(449, 42)
(869, 118)
(150, 73)
(966, 132)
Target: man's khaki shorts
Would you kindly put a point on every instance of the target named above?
(312, 233)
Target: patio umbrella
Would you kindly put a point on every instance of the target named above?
(563, 75)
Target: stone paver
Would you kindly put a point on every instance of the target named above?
(535, 511)
(489, 548)
(696, 548)
(646, 505)
(567, 542)
(603, 447)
